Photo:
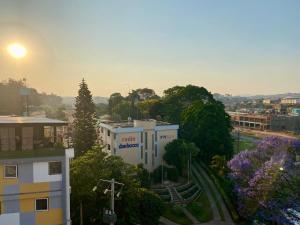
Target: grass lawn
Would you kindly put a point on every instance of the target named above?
(175, 214)
(243, 146)
(200, 208)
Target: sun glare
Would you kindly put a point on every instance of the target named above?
(16, 50)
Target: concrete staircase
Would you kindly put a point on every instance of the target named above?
(175, 197)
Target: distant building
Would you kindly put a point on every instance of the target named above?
(296, 111)
(267, 101)
(34, 172)
(290, 101)
(138, 142)
(266, 122)
(251, 121)
(280, 109)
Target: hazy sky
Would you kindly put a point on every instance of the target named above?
(227, 46)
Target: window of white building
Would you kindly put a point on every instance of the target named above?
(142, 152)
(146, 158)
(54, 168)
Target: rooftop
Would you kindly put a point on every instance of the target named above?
(9, 120)
(48, 152)
(126, 124)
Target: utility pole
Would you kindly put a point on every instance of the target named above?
(238, 143)
(112, 182)
(81, 214)
(112, 197)
(162, 172)
(189, 166)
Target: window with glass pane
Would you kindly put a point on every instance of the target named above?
(54, 168)
(146, 158)
(142, 152)
(41, 204)
(10, 171)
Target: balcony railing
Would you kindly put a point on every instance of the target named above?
(29, 143)
(44, 152)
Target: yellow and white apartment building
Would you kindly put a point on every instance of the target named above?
(34, 172)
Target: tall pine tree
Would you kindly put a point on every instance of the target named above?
(84, 120)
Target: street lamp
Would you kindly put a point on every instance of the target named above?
(110, 216)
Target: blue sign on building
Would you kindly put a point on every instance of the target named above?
(128, 146)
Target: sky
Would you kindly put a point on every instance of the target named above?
(233, 46)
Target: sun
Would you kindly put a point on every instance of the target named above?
(17, 50)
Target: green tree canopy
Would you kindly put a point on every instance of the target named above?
(113, 101)
(178, 98)
(135, 204)
(209, 127)
(101, 109)
(84, 120)
(178, 153)
(55, 113)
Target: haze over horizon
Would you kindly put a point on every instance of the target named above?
(240, 48)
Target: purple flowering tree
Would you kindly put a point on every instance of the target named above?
(266, 182)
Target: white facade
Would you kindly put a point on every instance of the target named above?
(290, 101)
(267, 101)
(10, 219)
(138, 142)
(41, 173)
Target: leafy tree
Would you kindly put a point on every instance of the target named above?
(219, 164)
(122, 111)
(150, 207)
(113, 101)
(135, 105)
(143, 176)
(209, 127)
(178, 98)
(101, 109)
(84, 120)
(55, 113)
(266, 181)
(178, 153)
(135, 204)
(146, 108)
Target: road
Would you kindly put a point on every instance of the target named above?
(261, 134)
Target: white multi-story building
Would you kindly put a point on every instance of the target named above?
(138, 142)
(290, 101)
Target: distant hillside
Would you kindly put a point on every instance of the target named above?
(276, 96)
(229, 100)
(12, 100)
(273, 97)
(67, 100)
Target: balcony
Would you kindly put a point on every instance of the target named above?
(39, 139)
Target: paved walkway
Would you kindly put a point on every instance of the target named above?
(214, 208)
(190, 216)
(210, 189)
(166, 221)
